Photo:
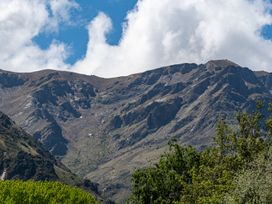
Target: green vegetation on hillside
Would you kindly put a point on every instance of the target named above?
(33, 192)
(237, 169)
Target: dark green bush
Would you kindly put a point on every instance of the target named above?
(233, 170)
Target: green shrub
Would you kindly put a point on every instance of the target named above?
(236, 169)
(37, 192)
(254, 183)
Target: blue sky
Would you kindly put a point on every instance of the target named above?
(76, 35)
(267, 32)
(87, 36)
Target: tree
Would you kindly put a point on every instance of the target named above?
(186, 175)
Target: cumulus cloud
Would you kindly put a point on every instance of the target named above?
(60, 11)
(156, 33)
(20, 22)
(166, 32)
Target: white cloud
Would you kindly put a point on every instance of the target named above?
(20, 22)
(174, 31)
(157, 33)
(60, 10)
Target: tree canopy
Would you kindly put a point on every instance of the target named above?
(236, 169)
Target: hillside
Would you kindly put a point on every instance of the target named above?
(106, 128)
(22, 157)
(33, 192)
(235, 169)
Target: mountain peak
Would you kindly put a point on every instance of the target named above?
(221, 63)
(95, 125)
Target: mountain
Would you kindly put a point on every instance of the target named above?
(104, 129)
(22, 157)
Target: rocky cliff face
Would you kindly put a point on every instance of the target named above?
(105, 128)
(22, 157)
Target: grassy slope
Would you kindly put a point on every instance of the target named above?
(33, 192)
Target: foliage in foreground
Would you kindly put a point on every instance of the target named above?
(37, 192)
(237, 169)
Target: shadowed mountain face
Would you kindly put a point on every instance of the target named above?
(106, 128)
(22, 157)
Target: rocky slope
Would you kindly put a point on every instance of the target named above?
(106, 128)
(22, 157)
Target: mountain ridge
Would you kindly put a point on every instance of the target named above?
(106, 128)
(218, 62)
